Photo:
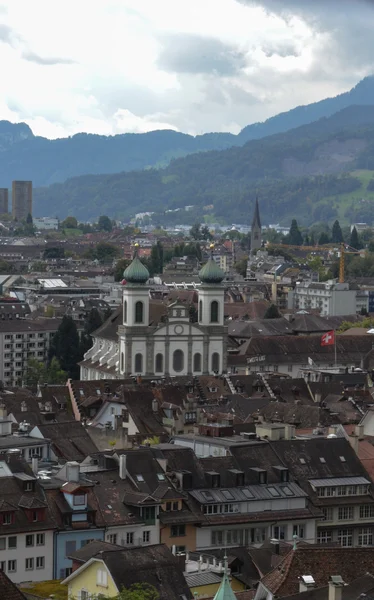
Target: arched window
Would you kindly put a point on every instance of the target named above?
(200, 310)
(125, 311)
(178, 361)
(139, 312)
(214, 311)
(197, 362)
(138, 363)
(215, 362)
(122, 361)
(159, 368)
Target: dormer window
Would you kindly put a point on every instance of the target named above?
(8, 518)
(28, 486)
(79, 499)
(140, 478)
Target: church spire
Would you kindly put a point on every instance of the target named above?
(256, 222)
(225, 591)
(256, 230)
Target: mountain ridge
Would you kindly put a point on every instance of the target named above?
(26, 156)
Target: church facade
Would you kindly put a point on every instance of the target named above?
(133, 343)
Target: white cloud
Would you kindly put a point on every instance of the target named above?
(189, 65)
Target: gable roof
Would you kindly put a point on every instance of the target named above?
(8, 590)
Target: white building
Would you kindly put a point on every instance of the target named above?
(329, 298)
(170, 346)
(45, 223)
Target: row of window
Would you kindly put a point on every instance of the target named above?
(30, 563)
(343, 490)
(345, 536)
(178, 362)
(254, 535)
(20, 336)
(348, 512)
(113, 537)
(30, 540)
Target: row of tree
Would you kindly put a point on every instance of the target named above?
(296, 238)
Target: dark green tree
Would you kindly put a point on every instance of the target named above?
(69, 223)
(195, 231)
(193, 313)
(65, 346)
(241, 267)
(137, 591)
(91, 323)
(104, 223)
(272, 312)
(39, 372)
(294, 237)
(120, 267)
(312, 239)
(336, 234)
(323, 239)
(306, 240)
(54, 252)
(105, 252)
(205, 233)
(354, 241)
(157, 259)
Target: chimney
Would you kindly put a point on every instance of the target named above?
(353, 440)
(306, 583)
(122, 466)
(3, 412)
(317, 397)
(359, 431)
(336, 585)
(174, 549)
(72, 471)
(155, 405)
(34, 465)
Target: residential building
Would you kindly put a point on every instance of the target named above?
(41, 223)
(26, 523)
(110, 570)
(20, 340)
(21, 200)
(329, 298)
(4, 203)
(136, 342)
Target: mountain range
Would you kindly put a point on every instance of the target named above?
(26, 156)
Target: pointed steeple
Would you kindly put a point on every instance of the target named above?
(224, 591)
(256, 222)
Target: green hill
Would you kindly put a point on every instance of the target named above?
(292, 173)
(25, 156)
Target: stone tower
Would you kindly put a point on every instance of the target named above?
(256, 230)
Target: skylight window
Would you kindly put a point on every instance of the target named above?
(273, 491)
(207, 496)
(342, 458)
(228, 495)
(160, 476)
(81, 392)
(322, 460)
(287, 491)
(247, 493)
(140, 478)
(302, 460)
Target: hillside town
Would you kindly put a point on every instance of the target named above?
(181, 425)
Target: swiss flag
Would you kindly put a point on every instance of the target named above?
(328, 339)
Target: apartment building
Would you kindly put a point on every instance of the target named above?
(329, 298)
(20, 340)
(4, 201)
(21, 200)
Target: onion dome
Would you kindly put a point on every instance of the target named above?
(211, 272)
(136, 272)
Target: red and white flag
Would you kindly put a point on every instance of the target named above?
(328, 339)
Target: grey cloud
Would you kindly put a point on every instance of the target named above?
(7, 35)
(45, 60)
(194, 54)
(282, 49)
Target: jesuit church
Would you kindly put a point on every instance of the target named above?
(137, 340)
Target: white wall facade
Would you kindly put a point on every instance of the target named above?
(23, 552)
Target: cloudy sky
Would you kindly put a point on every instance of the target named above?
(115, 66)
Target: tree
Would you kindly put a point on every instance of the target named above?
(105, 252)
(205, 233)
(156, 261)
(323, 239)
(69, 223)
(65, 347)
(194, 315)
(337, 234)
(294, 237)
(241, 267)
(272, 312)
(54, 252)
(104, 223)
(195, 231)
(121, 266)
(354, 241)
(38, 372)
(92, 322)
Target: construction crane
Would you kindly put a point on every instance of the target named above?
(344, 249)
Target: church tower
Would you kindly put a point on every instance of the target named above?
(256, 230)
(135, 321)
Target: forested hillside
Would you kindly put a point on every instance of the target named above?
(25, 156)
(290, 172)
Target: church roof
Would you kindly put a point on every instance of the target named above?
(256, 217)
(211, 273)
(224, 591)
(136, 272)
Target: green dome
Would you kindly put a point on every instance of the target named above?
(136, 272)
(211, 273)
